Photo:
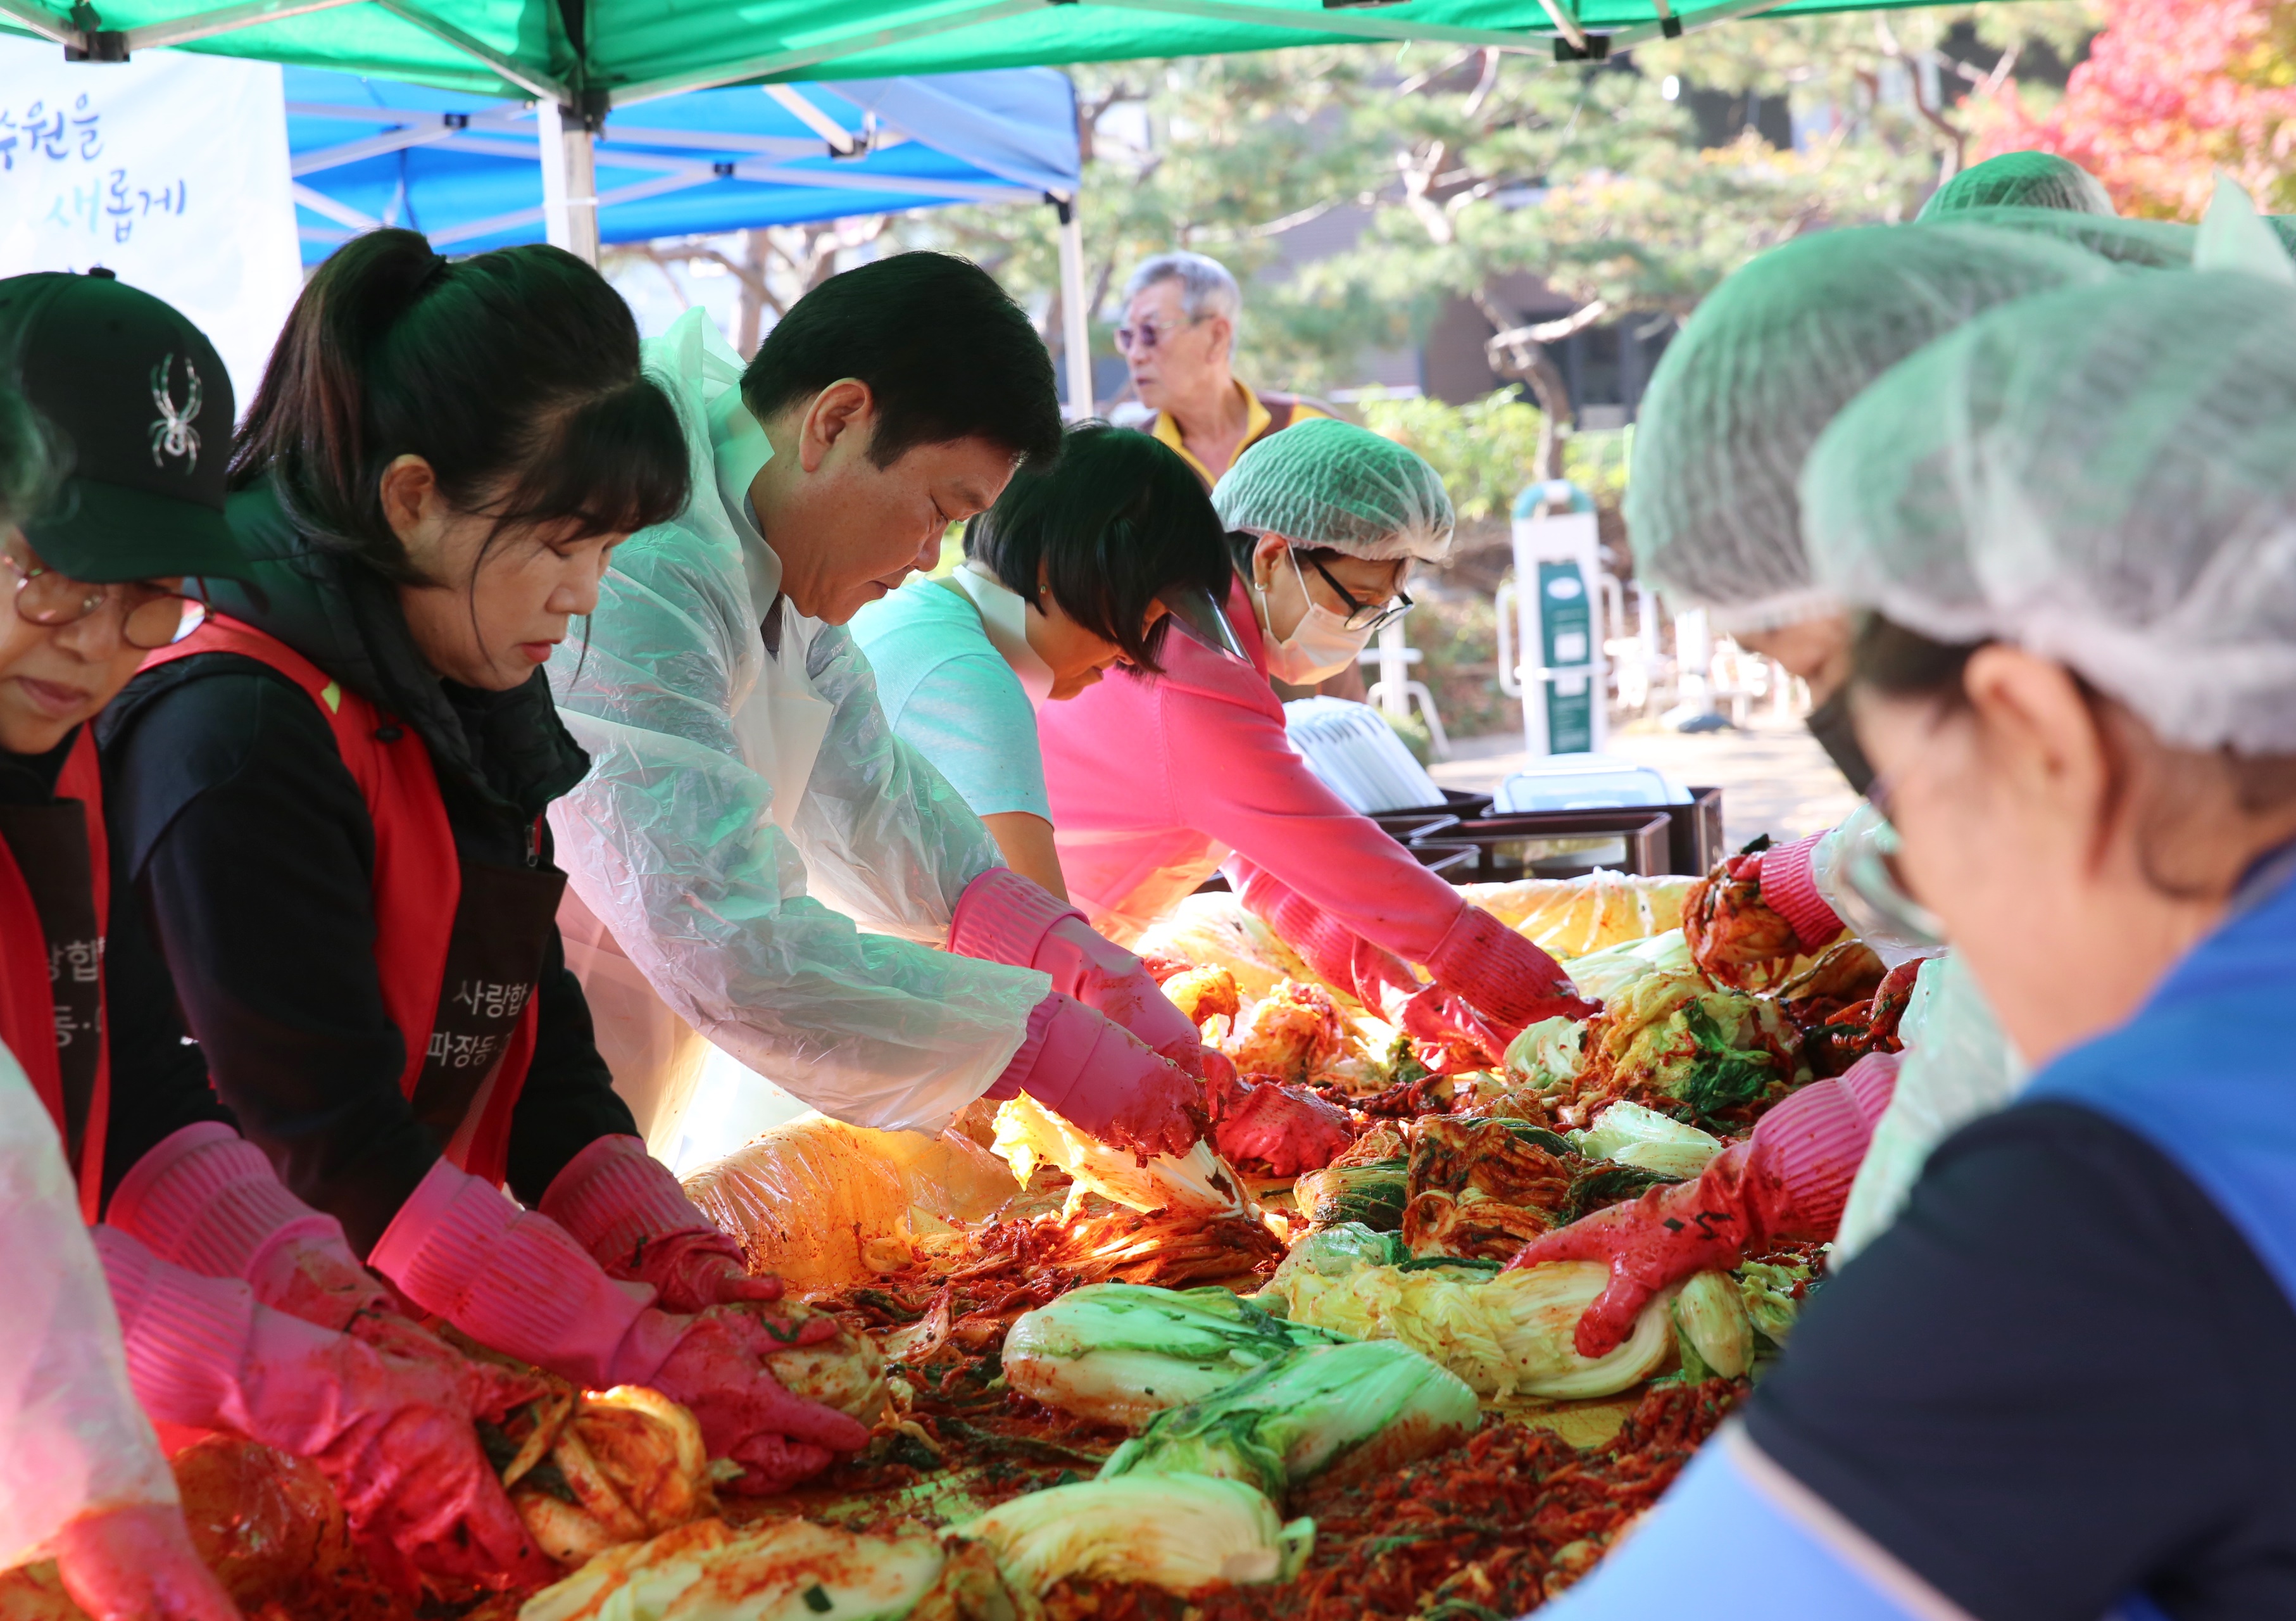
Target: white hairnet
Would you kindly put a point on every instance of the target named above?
(1773, 353)
(2106, 476)
(2022, 179)
(2157, 244)
(1327, 482)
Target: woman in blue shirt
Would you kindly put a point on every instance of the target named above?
(1073, 570)
(2056, 1389)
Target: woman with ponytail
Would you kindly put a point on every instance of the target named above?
(329, 802)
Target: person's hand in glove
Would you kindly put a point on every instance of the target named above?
(1101, 1079)
(206, 1199)
(625, 1208)
(1502, 979)
(1755, 912)
(137, 1564)
(1447, 1035)
(1788, 1181)
(393, 1434)
(1004, 918)
(719, 1371)
(1286, 1129)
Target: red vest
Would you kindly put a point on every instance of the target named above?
(418, 878)
(27, 1010)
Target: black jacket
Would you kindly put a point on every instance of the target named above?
(239, 829)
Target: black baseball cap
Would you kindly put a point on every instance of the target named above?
(142, 405)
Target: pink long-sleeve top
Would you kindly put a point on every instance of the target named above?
(1153, 780)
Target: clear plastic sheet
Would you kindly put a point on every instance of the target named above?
(825, 1203)
(73, 1440)
(1569, 917)
(1957, 1065)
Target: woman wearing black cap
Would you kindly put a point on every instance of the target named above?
(80, 1472)
(131, 396)
(330, 800)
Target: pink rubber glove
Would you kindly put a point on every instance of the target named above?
(137, 1564)
(1099, 1077)
(779, 1439)
(518, 1281)
(1790, 889)
(1788, 1181)
(394, 1435)
(206, 1199)
(1288, 1130)
(1004, 918)
(1502, 977)
(625, 1208)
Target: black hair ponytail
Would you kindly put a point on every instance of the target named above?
(514, 373)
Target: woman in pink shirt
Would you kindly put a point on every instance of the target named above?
(1155, 781)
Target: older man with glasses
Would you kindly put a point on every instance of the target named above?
(1178, 339)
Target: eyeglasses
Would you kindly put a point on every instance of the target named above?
(1875, 877)
(149, 616)
(1360, 615)
(1149, 334)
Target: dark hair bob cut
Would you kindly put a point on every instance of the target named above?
(1116, 520)
(514, 373)
(945, 353)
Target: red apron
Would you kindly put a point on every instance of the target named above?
(418, 876)
(27, 1018)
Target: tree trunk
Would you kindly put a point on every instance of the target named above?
(749, 308)
(1516, 352)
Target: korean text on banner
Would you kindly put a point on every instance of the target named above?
(170, 170)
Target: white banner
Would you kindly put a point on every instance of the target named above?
(169, 169)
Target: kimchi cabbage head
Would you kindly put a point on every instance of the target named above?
(1350, 1411)
(1121, 1353)
(1182, 1532)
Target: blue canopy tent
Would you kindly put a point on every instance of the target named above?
(470, 171)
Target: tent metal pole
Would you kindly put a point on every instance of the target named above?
(570, 183)
(40, 20)
(206, 25)
(1076, 320)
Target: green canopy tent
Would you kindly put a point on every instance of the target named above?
(590, 55)
(580, 59)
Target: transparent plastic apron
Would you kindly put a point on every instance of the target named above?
(693, 1102)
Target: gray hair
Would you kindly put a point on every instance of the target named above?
(1206, 287)
(33, 460)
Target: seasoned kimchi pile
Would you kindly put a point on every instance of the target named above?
(1356, 1186)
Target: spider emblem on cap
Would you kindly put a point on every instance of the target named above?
(173, 434)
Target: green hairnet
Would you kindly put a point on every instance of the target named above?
(2158, 245)
(1327, 482)
(1737, 401)
(2105, 475)
(2021, 179)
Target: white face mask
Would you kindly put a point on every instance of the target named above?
(1320, 645)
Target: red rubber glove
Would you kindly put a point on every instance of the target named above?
(1504, 979)
(1284, 1128)
(779, 1439)
(1099, 1077)
(137, 1564)
(625, 1208)
(392, 1434)
(1004, 918)
(1788, 1181)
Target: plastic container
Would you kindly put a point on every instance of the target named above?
(1355, 752)
(1586, 782)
